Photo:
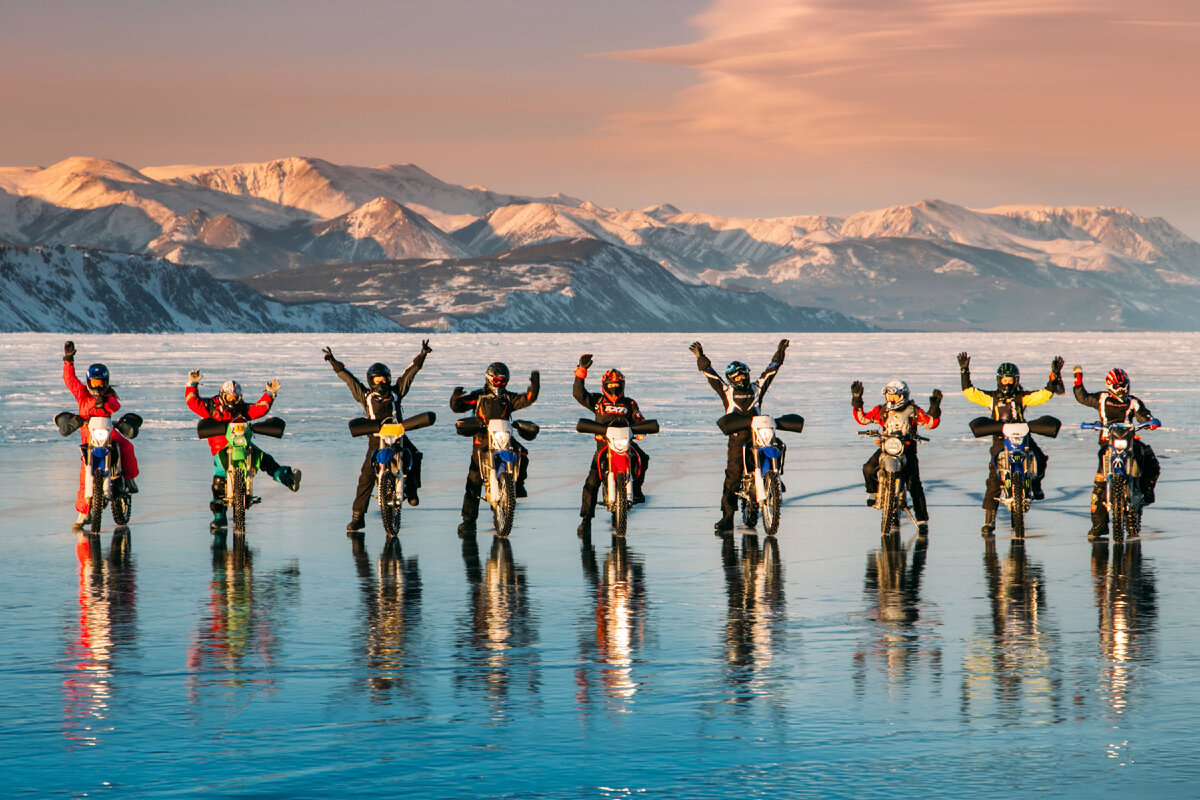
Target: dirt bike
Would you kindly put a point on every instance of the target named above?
(1015, 464)
(761, 489)
(391, 467)
(891, 496)
(242, 466)
(498, 461)
(616, 465)
(1122, 475)
(103, 483)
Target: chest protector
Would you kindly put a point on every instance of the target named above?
(381, 405)
(1008, 409)
(901, 421)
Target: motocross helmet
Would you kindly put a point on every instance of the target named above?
(97, 379)
(895, 388)
(613, 384)
(738, 374)
(496, 376)
(1117, 383)
(1004, 373)
(378, 370)
(230, 394)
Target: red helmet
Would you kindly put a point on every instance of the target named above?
(613, 383)
(1117, 382)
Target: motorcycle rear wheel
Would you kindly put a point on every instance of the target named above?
(772, 503)
(505, 506)
(122, 508)
(389, 506)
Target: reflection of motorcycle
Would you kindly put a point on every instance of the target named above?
(1015, 464)
(391, 467)
(616, 465)
(762, 464)
(1122, 471)
(892, 494)
(103, 483)
(242, 458)
(499, 461)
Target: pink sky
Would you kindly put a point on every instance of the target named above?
(763, 107)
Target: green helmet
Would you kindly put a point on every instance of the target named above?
(1008, 370)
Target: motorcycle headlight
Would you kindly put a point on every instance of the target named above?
(1120, 444)
(237, 434)
(499, 440)
(764, 436)
(893, 446)
(100, 437)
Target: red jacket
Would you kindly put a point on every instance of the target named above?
(211, 408)
(906, 419)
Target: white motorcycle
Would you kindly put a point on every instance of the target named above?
(498, 462)
(762, 464)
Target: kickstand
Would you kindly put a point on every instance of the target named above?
(908, 512)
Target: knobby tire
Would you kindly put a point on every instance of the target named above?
(502, 511)
(96, 509)
(1118, 512)
(749, 504)
(620, 516)
(772, 503)
(1018, 509)
(389, 507)
(237, 480)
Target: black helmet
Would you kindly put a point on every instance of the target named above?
(613, 383)
(377, 370)
(738, 374)
(1008, 370)
(496, 376)
(97, 378)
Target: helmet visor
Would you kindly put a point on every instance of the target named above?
(95, 383)
(498, 380)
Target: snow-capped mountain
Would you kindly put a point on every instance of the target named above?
(928, 265)
(88, 291)
(576, 285)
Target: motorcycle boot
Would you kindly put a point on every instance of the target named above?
(357, 522)
(871, 499)
(219, 521)
(989, 522)
(724, 525)
(288, 477)
(922, 527)
(466, 528)
(79, 522)
(1099, 529)
(1038, 494)
(585, 527)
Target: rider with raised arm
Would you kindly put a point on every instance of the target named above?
(96, 398)
(898, 414)
(611, 407)
(493, 401)
(227, 405)
(1116, 404)
(1007, 404)
(381, 399)
(740, 396)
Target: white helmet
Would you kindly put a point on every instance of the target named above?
(899, 388)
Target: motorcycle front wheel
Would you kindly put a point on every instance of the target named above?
(888, 504)
(505, 505)
(1118, 508)
(96, 509)
(1017, 509)
(772, 503)
(237, 479)
(389, 505)
(620, 514)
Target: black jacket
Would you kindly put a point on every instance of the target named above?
(746, 401)
(622, 410)
(489, 405)
(381, 404)
(1110, 408)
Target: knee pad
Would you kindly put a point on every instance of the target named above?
(218, 486)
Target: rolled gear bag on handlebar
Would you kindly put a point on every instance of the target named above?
(469, 426)
(591, 426)
(1045, 426)
(68, 422)
(129, 425)
(644, 427)
(365, 426)
(271, 426)
(790, 422)
(1042, 426)
(525, 429)
(733, 422)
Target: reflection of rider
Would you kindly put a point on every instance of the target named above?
(1126, 599)
(229, 406)
(1008, 404)
(611, 407)
(740, 396)
(898, 414)
(382, 400)
(493, 401)
(1116, 404)
(96, 399)
(393, 605)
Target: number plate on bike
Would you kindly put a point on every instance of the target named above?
(391, 429)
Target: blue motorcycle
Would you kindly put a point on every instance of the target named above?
(391, 467)
(1122, 473)
(1015, 464)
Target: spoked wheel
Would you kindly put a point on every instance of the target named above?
(389, 504)
(1018, 509)
(122, 508)
(506, 503)
(96, 509)
(620, 517)
(1118, 512)
(888, 504)
(772, 503)
(238, 502)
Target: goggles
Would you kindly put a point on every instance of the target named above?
(499, 380)
(95, 383)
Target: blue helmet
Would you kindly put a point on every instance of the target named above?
(97, 378)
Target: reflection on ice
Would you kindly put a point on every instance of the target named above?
(497, 634)
(237, 642)
(1126, 600)
(756, 615)
(1017, 653)
(105, 636)
(392, 600)
(893, 588)
(610, 645)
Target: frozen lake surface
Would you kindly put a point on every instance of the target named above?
(675, 664)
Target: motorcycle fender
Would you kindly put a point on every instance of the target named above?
(507, 456)
(493, 485)
(890, 463)
(618, 462)
(610, 488)
(384, 456)
(760, 492)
